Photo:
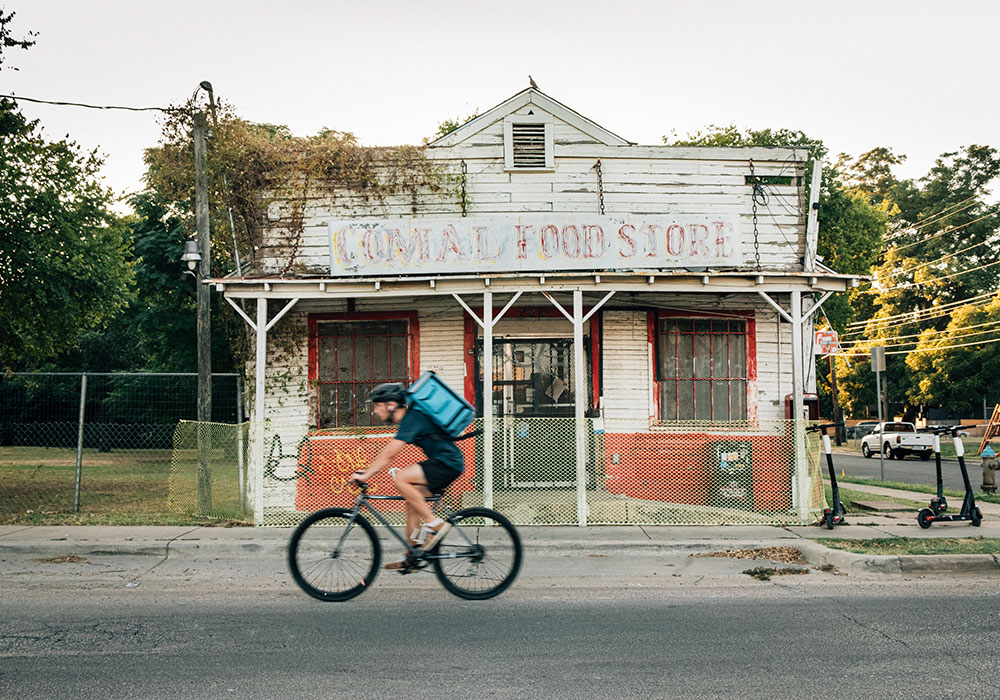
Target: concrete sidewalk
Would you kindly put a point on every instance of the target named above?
(39, 543)
(221, 542)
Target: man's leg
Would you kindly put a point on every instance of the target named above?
(412, 485)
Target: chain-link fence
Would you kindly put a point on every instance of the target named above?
(631, 472)
(208, 470)
(96, 446)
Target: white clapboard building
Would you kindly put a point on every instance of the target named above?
(633, 315)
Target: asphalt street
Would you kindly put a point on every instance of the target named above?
(576, 624)
(911, 470)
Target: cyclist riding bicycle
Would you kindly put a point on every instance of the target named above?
(415, 483)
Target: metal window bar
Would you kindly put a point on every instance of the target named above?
(716, 368)
(348, 390)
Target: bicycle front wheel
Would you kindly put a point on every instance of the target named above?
(332, 558)
(480, 556)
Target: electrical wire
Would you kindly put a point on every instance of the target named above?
(951, 336)
(937, 217)
(902, 271)
(940, 233)
(933, 309)
(910, 285)
(943, 347)
(917, 335)
(168, 110)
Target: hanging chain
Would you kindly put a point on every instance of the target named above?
(756, 242)
(465, 200)
(600, 186)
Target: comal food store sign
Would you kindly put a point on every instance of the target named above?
(535, 243)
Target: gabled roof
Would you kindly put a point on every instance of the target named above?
(543, 102)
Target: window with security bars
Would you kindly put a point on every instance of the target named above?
(701, 369)
(352, 357)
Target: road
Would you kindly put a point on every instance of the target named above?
(911, 470)
(622, 626)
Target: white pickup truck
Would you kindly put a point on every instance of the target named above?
(896, 440)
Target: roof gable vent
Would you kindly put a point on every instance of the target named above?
(528, 143)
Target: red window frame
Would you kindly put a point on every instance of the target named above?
(750, 333)
(412, 360)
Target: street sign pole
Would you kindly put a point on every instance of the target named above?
(878, 364)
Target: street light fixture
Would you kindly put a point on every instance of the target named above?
(191, 256)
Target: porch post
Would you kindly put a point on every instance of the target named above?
(488, 399)
(580, 389)
(258, 410)
(798, 422)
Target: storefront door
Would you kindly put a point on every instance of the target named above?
(533, 399)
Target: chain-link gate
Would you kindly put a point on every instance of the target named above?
(633, 472)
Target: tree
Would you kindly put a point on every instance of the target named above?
(64, 264)
(957, 378)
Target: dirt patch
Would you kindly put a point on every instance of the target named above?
(786, 555)
(763, 573)
(66, 559)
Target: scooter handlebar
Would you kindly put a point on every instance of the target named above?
(822, 426)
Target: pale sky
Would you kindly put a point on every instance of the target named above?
(919, 77)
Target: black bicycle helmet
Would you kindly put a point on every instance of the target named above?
(391, 391)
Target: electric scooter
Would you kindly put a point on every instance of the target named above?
(927, 516)
(835, 515)
(939, 504)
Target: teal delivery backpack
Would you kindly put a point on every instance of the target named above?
(446, 409)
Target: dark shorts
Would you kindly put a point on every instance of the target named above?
(437, 475)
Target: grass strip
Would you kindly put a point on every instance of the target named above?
(918, 488)
(918, 545)
(848, 496)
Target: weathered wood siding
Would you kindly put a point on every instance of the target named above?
(636, 180)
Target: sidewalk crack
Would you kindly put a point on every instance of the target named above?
(166, 554)
(643, 530)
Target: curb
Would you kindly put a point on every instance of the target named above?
(909, 564)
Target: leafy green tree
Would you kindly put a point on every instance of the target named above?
(957, 378)
(64, 255)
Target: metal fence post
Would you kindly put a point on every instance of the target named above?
(79, 443)
(240, 457)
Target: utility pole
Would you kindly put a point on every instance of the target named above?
(204, 328)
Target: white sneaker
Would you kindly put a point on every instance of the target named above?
(435, 535)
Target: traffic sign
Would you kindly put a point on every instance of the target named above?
(826, 342)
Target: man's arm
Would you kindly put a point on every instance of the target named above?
(382, 461)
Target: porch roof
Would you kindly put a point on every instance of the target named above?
(747, 281)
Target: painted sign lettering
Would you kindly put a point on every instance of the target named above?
(533, 243)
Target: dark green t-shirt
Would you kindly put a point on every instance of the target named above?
(417, 429)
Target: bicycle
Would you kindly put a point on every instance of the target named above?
(335, 553)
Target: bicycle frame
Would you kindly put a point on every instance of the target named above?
(435, 501)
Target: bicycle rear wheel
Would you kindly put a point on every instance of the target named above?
(480, 556)
(331, 558)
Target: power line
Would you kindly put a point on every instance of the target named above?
(917, 342)
(936, 218)
(909, 285)
(941, 233)
(883, 326)
(932, 310)
(902, 271)
(943, 347)
(168, 110)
